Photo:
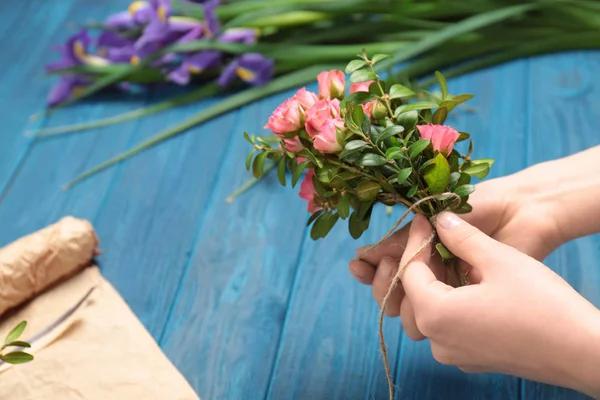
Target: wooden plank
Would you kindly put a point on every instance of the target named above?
(225, 326)
(498, 128)
(564, 110)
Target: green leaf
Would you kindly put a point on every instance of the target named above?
(17, 343)
(437, 175)
(355, 226)
(417, 148)
(17, 357)
(463, 209)
(365, 209)
(249, 160)
(366, 127)
(464, 179)
(453, 161)
(456, 100)
(379, 57)
(470, 147)
(323, 225)
(403, 175)
(348, 175)
(308, 154)
(389, 132)
(281, 171)
(247, 137)
(421, 105)
(444, 252)
(362, 75)
(354, 65)
(314, 216)
(259, 164)
(358, 98)
(453, 179)
(478, 170)
(16, 332)
(408, 119)
(440, 116)
(395, 153)
(398, 91)
(358, 116)
(443, 84)
(367, 190)
(298, 171)
(343, 207)
(464, 190)
(412, 191)
(371, 160)
(463, 136)
(352, 147)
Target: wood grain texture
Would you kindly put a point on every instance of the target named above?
(227, 322)
(565, 109)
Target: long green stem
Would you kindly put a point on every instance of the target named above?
(249, 183)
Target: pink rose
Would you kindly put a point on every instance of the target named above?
(294, 145)
(364, 87)
(331, 84)
(287, 118)
(442, 137)
(320, 112)
(326, 140)
(305, 98)
(308, 192)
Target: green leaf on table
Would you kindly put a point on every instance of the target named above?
(437, 174)
(259, 164)
(417, 148)
(412, 191)
(389, 132)
(343, 207)
(355, 65)
(281, 171)
(314, 216)
(352, 147)
(16, 332)
(378, 57)
(367, 190)
(298, 169)
(443, 85)
(398, 91)
(395, 153)
(464, 190)
(371, 160)
(421, 105)
(403, 175)
(439, 117)
(323, 225)
(362, 75)
(16, 357)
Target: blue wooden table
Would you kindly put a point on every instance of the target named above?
(242, 301)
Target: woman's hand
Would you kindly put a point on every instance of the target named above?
(502, 209)
(517, 317)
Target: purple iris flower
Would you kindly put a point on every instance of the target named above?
(252, 68)
(73, 52)
(121, 20)
(239, 35)
(194, 64)
(65, 88)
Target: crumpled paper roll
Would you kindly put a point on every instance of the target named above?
(33, 263)
(100, 352)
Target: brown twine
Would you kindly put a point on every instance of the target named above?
(397, 277)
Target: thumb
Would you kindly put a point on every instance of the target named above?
(466, 241)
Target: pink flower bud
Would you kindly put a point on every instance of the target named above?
(364, 87)
(287, 118)
(320, 112)
(442, 137)
(305, 98)
(308, 192)
(294, 145)
(326, 140)
(331, 84)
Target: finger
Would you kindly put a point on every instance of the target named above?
(392, 247)
(362, 271)
(418, 279)
(409, 322)
(386, 270)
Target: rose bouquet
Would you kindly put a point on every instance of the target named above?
(374, 145)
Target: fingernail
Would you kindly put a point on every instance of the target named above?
(448, 220)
